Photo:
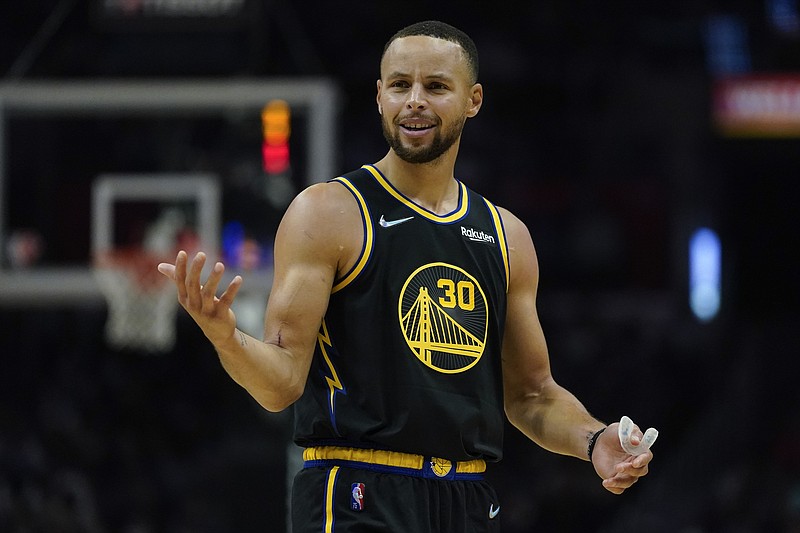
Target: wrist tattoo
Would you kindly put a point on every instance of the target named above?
(242, 338)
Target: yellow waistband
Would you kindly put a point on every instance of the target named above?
(387, 458)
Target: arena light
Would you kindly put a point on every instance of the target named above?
(758, 105)
(276, 125)
(784, 16)
(705, 267)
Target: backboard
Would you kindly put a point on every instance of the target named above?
(59, 138)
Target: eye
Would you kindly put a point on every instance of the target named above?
(437, 86)
(399, 84)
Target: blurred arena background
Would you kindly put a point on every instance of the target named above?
(652, 148)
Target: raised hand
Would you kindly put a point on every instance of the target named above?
(213, 314)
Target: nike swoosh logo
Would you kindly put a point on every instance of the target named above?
(492, 511)
(389, 223)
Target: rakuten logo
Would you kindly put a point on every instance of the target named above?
(477, 236)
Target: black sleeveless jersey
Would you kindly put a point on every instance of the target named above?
(408, 355)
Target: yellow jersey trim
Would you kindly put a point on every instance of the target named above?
(369, 238)
(501, 237)
(460, 212)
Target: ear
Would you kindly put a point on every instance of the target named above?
(378, 97)
(475, 100)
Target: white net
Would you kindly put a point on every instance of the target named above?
(142, 304)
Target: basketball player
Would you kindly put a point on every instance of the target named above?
(402, 323)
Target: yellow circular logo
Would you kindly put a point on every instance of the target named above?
(443, 317)
(440, 467)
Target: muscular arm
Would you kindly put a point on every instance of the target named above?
(543, 410)
(314, 240)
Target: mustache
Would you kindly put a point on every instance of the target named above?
(433, 119)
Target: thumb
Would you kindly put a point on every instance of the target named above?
(167, 269)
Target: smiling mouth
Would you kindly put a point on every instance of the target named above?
(417, 127)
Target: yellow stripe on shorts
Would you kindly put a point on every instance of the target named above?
(329, 518)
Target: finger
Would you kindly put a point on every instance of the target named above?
(208, 290)
(630, 469)
(168, 269)
(641, 461)
(193, 280)
(612, 488)
(618, 484)
(227, 297)
(623, 479)
(180, 275)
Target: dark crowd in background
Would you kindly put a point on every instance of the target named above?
(597, 130)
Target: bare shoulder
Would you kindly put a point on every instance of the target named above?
(323, 219)
(324, 200)
(322, 208)
(514, 227)
(521, 251)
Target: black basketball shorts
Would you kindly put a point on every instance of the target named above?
(338, 497)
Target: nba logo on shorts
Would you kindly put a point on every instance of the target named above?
(357, 497)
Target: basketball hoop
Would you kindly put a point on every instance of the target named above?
(142, 303)
(165, 213)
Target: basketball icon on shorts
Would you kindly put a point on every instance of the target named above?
(440, 467)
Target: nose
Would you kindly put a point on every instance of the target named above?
(416, 97)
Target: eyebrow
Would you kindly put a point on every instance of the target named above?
(436, 76)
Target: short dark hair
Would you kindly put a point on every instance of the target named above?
(441, 30)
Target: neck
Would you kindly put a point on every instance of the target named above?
(429, 185)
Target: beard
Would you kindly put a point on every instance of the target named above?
(442, 142)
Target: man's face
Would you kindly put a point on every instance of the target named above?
(425, 96)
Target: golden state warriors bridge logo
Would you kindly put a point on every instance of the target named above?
(443, 316)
